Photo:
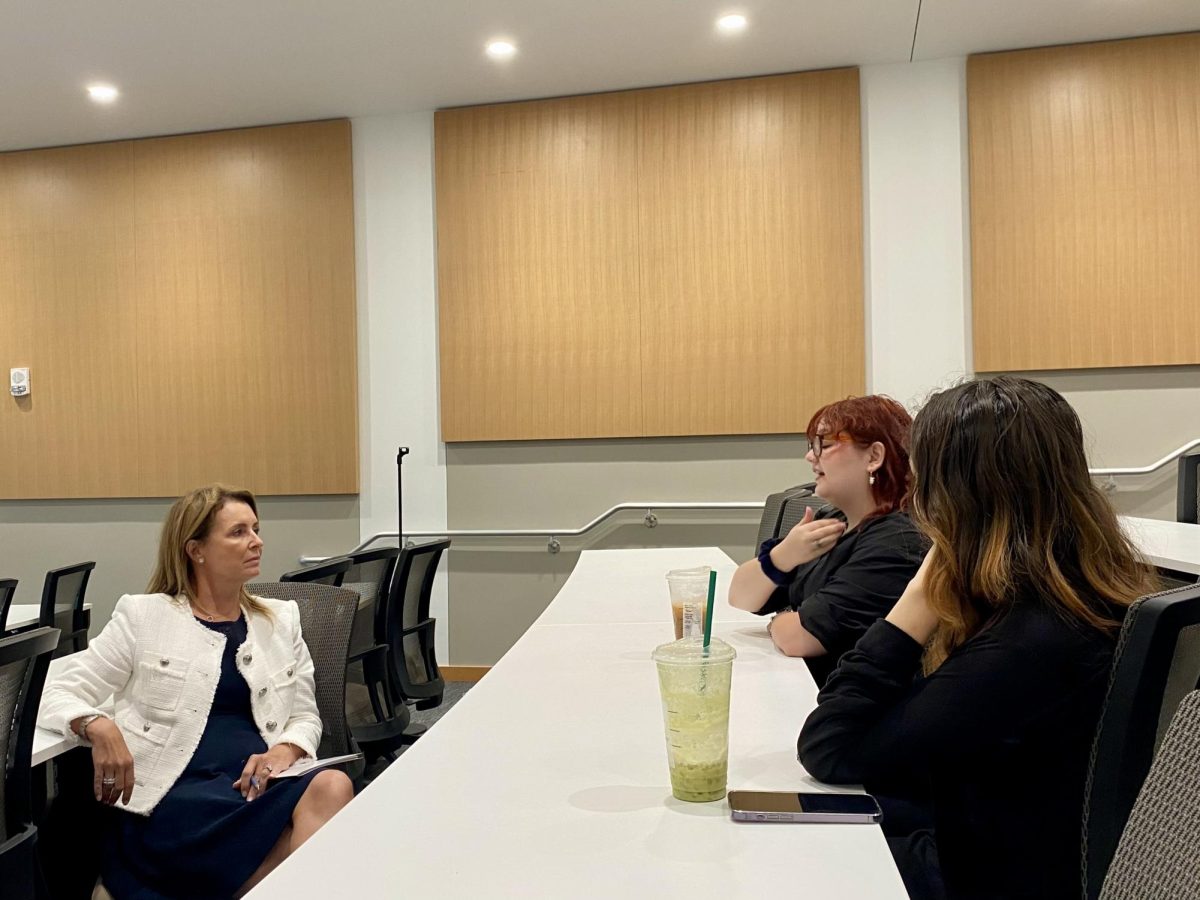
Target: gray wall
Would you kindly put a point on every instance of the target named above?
(1130, 417)
(498, 588)
(1133, 417)
(122, 537)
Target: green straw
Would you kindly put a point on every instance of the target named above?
(708, 611)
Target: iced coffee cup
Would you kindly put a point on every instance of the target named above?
(689, 600)
(694, 683)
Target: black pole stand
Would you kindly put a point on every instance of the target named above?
(402, 452)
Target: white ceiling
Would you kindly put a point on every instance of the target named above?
(191, 65)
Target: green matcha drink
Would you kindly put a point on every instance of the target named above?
(694, 684)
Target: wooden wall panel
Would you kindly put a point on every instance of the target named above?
(659, 262)
(538, 269)
(751, 226)
(245, 286)
(189, 308)
(67, 312)
(1085, 205)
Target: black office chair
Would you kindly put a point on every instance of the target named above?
(409, 629)
(62, 606)
(795, 507)
(331, 572)
(1187, 501)
(1157, 853)
(1157, 662)
(24, 659)
(391, 726)
(370, 573)
(326, 618)
(769, 524)
(8, 587)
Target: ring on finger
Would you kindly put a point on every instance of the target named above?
(254, 781)
(108, 781)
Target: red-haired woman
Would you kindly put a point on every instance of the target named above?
(827, 581)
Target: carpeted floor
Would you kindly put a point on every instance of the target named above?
(454, 693)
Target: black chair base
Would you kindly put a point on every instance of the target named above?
(431, 702)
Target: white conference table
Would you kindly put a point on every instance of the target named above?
(549, 777)
(22, 614)
(1172, 545)
(49, 744)
(630, 587)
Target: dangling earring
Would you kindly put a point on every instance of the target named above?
(870, 480)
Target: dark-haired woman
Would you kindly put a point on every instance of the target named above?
(826, 581)
(1012, 618)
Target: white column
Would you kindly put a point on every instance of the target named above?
(917, 247)
(397, 331)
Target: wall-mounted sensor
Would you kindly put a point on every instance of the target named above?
(18, 382)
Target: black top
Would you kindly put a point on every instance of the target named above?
(842, 592)
(1002, 730)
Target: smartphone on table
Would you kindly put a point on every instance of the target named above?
(788, 806)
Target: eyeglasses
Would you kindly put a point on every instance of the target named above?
(824, 441)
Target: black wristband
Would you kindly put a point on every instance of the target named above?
(768, 566)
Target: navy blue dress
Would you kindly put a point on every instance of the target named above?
(203, 839)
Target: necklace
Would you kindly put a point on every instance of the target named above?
(204, 612)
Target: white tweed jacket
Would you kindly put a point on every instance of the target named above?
(160, 667)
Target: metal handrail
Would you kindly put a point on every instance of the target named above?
(650, 519)
(1154, 466)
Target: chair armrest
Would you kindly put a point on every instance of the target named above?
(424, 630)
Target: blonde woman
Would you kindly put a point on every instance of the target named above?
(1011, 620)
(213, 695)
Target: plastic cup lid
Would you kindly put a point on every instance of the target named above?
(691, 652)
(689, 574)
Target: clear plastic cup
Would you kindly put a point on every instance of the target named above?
(694, 683)
(689, 600)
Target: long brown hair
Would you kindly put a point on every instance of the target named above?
(867, 420)
(1002, 489)
(191, 518)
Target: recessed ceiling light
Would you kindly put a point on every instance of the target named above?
(731, 23)
(501, 49)
(102, 93)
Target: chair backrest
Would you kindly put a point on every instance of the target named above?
(407, 610)
(795, 507)
(62, 605)
(1187, 502)
(24, 659)
(768, 525)
(370, 574)
(1157, 855)
(331, 572)
(326, 617)
(1157, 662)
(8, 587)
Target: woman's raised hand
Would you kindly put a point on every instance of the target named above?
(806, 541)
